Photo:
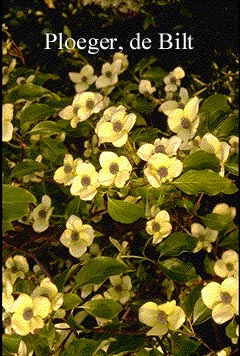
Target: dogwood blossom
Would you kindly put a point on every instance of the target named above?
(168, 146)
(173, 79)
(159, 227)
(6, 70)
(29, 314)
(227, 266)
(145, 87)
(17, 267)
(115, 169)
(67, 172)
(119, 56)
(85, 183)
(161, 318)
(222, 299)
(184, 122)
(225, 209)
(120, 289)
(115, 125)
(41, 214)
(7, 126)
(49, 290)
(83, 79)
(161, 168)
(205, 237)
(234, 143)
(169, 105)
(77, 236)
(110, 72)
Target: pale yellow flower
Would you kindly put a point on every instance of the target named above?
(49, 290)
(161, 318)
(22, 80)
(115, 125)
(67, 172)
(173, 79)
(168, 146)
(184, 122)
(227, 266)
(145, 87)
(123, 58)
(225, 209)
(29, 314)
(234, 143)
(120, 289)
(115, 169)
(222, 299)
(161, 168)
(77, 237)
(17, 266)
(159, 227)
(169, 105)
(85, 183)
(83, 79)
(205, 237)
(41, 214)
(110, 72)
(7, 126)
(6, 70)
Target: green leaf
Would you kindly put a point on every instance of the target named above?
(98, 269)
(213, 103)
(141, 104)
(144, 63)
(145, 134)
(155, 75)
(62, 278)
(102, 308)
(200, 312)
(70, 301)
(125, 343)
(35, 112)
(176, 244)
(125, 212)
(231, 329)
(76, 207)
(226, 128)
(230, 241)
(82, 346)
(46, 128)
(177, 270)
(232, 164)
(29, 92)
(206, 181)
(53, 150)
(183, 345)
(216, 221)
(201, 160)
(10, 343)
(191, 299)
(15, 203)
(27, 167)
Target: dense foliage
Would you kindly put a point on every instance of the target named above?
(120, 186)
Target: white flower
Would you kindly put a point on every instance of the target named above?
(184, 122)
(22, 80)
(222, 299)
(160, 145)
(169, 105)
(227, 266)
(234, 143)
(29, 314)
(85, 183)
(41, 214)
(115, 169)
(205, 237)
(224, 209)
(120, 290)
(7, 126)
(83, 79)
(49, 290)
(7, 70)
(67, 172)
(173, 79)
(210, 143)
(161, 168)
(109, 75)
(161, 318)
(159, 227)
(17, 266)
(145, 87)
(119, 56)
(77, 237)
(115, 125)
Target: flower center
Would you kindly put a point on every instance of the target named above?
(173, 80)
(160, 149)
(118, 288)
(90, 104)
(42, 213)
(7, 322)
(156, 226)
(230, 266)
(201, 238)
(162, 317)
(67, 168)
(113, 168)
(75, 109)
(226, 298)
(108, 74)
(14, 269)
(22, 81)
(181, 106)
(84, 79)
(117, 126)
(74, 236)
(85, 181)
(162, 172)
(185, 123)
(27, 314)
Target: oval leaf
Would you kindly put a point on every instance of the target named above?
(200, 312)
(29, 92)
(124, 212)
(98, 269)
(201, 160)
(177, 270)
(46, 128)
(70, 301)
(27, 167)
(176, 244)
(216, 221)
(206, 181)
(102, 308)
